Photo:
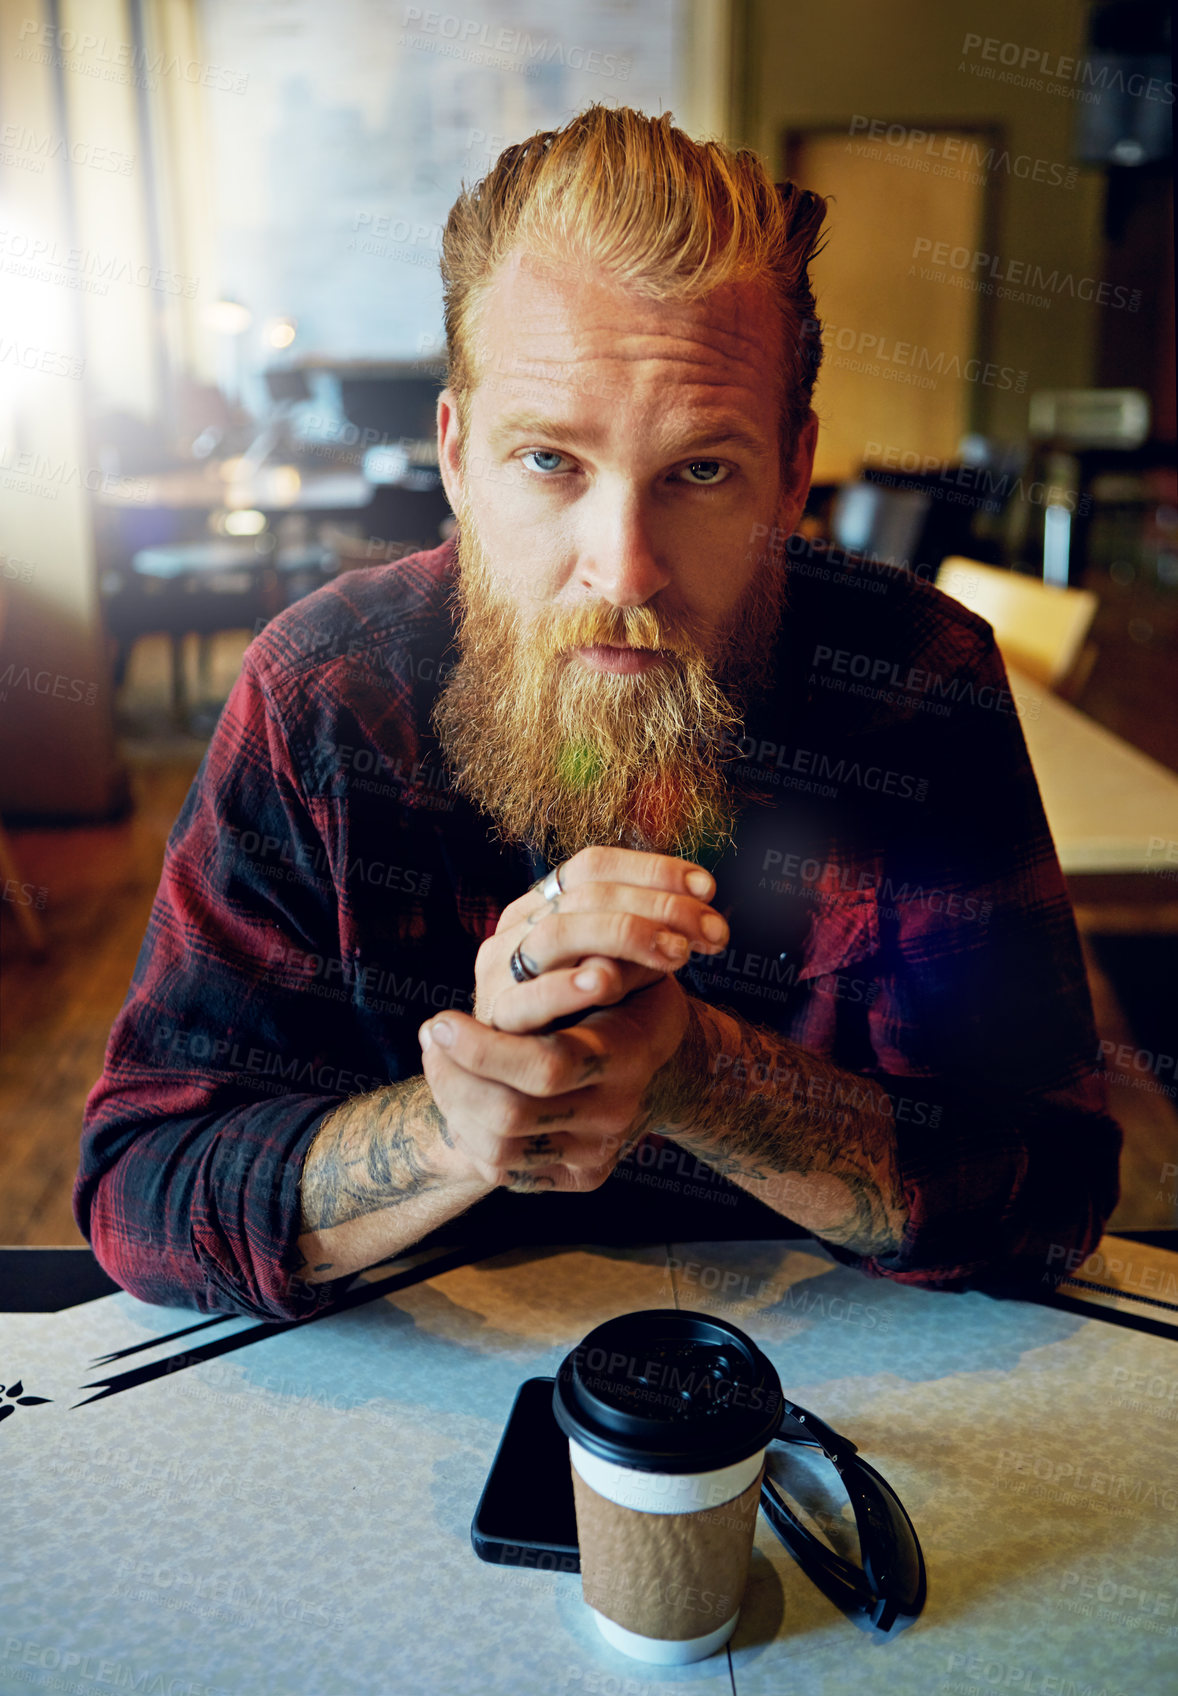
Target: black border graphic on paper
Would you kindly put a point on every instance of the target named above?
(131, 1378)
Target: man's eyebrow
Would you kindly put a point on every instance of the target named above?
(526, 424)
(739, 434)
(719, 433)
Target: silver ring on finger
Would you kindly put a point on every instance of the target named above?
(552, 886)
(522, 969)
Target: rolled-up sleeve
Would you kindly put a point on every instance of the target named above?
(220, 1069)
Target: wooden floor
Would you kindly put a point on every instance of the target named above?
(56, 1011)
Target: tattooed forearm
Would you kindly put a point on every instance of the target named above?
(811, 1140)
(382, 1172)
(368, 1155)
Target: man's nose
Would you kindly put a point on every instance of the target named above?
(620, 557)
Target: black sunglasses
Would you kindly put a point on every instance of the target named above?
(891, 1581)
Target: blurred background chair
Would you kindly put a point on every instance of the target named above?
(1040, 629)
(203, 588)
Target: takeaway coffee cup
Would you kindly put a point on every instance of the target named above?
(668, 1415)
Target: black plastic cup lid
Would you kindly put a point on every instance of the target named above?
(667, 1391)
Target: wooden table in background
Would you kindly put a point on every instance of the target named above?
(1112, 810)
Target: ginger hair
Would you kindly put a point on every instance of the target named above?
(667, 216)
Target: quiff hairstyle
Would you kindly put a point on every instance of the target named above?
(670, 217)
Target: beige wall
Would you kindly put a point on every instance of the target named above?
(904, 59)
(898, 345)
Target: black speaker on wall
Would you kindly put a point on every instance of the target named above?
(1125, 85)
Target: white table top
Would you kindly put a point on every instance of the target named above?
(293, 1516)
(1109, 806)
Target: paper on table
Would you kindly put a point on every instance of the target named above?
(67, 1358)
(285, 1517)
(1033, 1448)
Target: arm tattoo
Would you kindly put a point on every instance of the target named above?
(368, 1155)
(811, 1140)
(525, 1183)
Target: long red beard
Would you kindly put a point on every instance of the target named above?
(561, 756)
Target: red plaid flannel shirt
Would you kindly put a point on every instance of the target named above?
(894, 898)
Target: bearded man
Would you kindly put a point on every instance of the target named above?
(566, 882)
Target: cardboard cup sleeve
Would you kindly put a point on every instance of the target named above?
(667, 1575)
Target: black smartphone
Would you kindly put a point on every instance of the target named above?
(526, 1515)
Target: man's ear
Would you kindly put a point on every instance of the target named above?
(798, 471)
(450, 448)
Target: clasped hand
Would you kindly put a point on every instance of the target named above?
(530, 1107)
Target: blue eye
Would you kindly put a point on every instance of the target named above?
(713, 471)
(542, 454)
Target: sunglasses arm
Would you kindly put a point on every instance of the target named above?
(892, 1579)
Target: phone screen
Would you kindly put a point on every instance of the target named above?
(527, 1502)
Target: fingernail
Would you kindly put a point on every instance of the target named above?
(424, 1037)
(587, 980)
(713, 927)
(671, 944)
(700, 883)
(443, 1033)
